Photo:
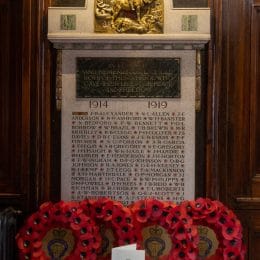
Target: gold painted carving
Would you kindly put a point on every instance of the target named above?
(129, 16)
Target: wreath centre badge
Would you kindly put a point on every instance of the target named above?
(108, 240)
(58, 243)
(156, 241)
(208, 242)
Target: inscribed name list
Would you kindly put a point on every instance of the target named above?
(128, 155)
(128, 148)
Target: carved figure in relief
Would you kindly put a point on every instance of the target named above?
(128, 5)
(103, 10)
(129, 16)
(131, 3)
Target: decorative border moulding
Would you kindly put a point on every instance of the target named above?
(128, 45)
(73, 28)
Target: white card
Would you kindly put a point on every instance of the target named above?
(128, 252)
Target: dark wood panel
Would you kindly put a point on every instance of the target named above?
(25, 104)
(254, 235)
(38, 69)
(250, 220)
(233, 114)
(231, 86)
(255, 99)
(237, 85)
(10, 97)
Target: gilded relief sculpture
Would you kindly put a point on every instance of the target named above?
(129, 16)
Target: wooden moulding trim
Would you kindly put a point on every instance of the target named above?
(11, 195)
(254, 167)
(248, 202)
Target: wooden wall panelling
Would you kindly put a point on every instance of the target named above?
(39, 67)
(10, 103)
(255, 100)
(237, 83)
(235, 111)
(29, 84)
(26, 122)
(214, 77)
(254, 239)
(230, 107)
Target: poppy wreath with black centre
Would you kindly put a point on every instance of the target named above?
(58, 217)
(227, 227)
(153, 217)
(115, 222)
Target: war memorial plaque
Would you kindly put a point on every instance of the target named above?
(128, 78)
(132, 142)
(69, 3)
(190, 3)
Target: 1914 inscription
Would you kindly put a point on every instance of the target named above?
(128, 77)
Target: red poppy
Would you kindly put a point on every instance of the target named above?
(192, 253)
(56, 211)
(192, 233)
(128, 237)
(232, 253)
(107, 210)
(180, 253)
(213, 216)
(167, 207)
(172, 219)
(233, 243)
(45, 210)
(86, 205)
(128, 215)
(36, 222)
(156, 208)
(96, 209)
(141, 212)
(230, 230)
(177, 215)
(69, 211)
(78, 220)
(198, 208)
(118, 217)
(180, 232)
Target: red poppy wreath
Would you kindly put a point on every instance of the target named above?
(115, 223)
(219, 229)
(59, 231)
(164, 230)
